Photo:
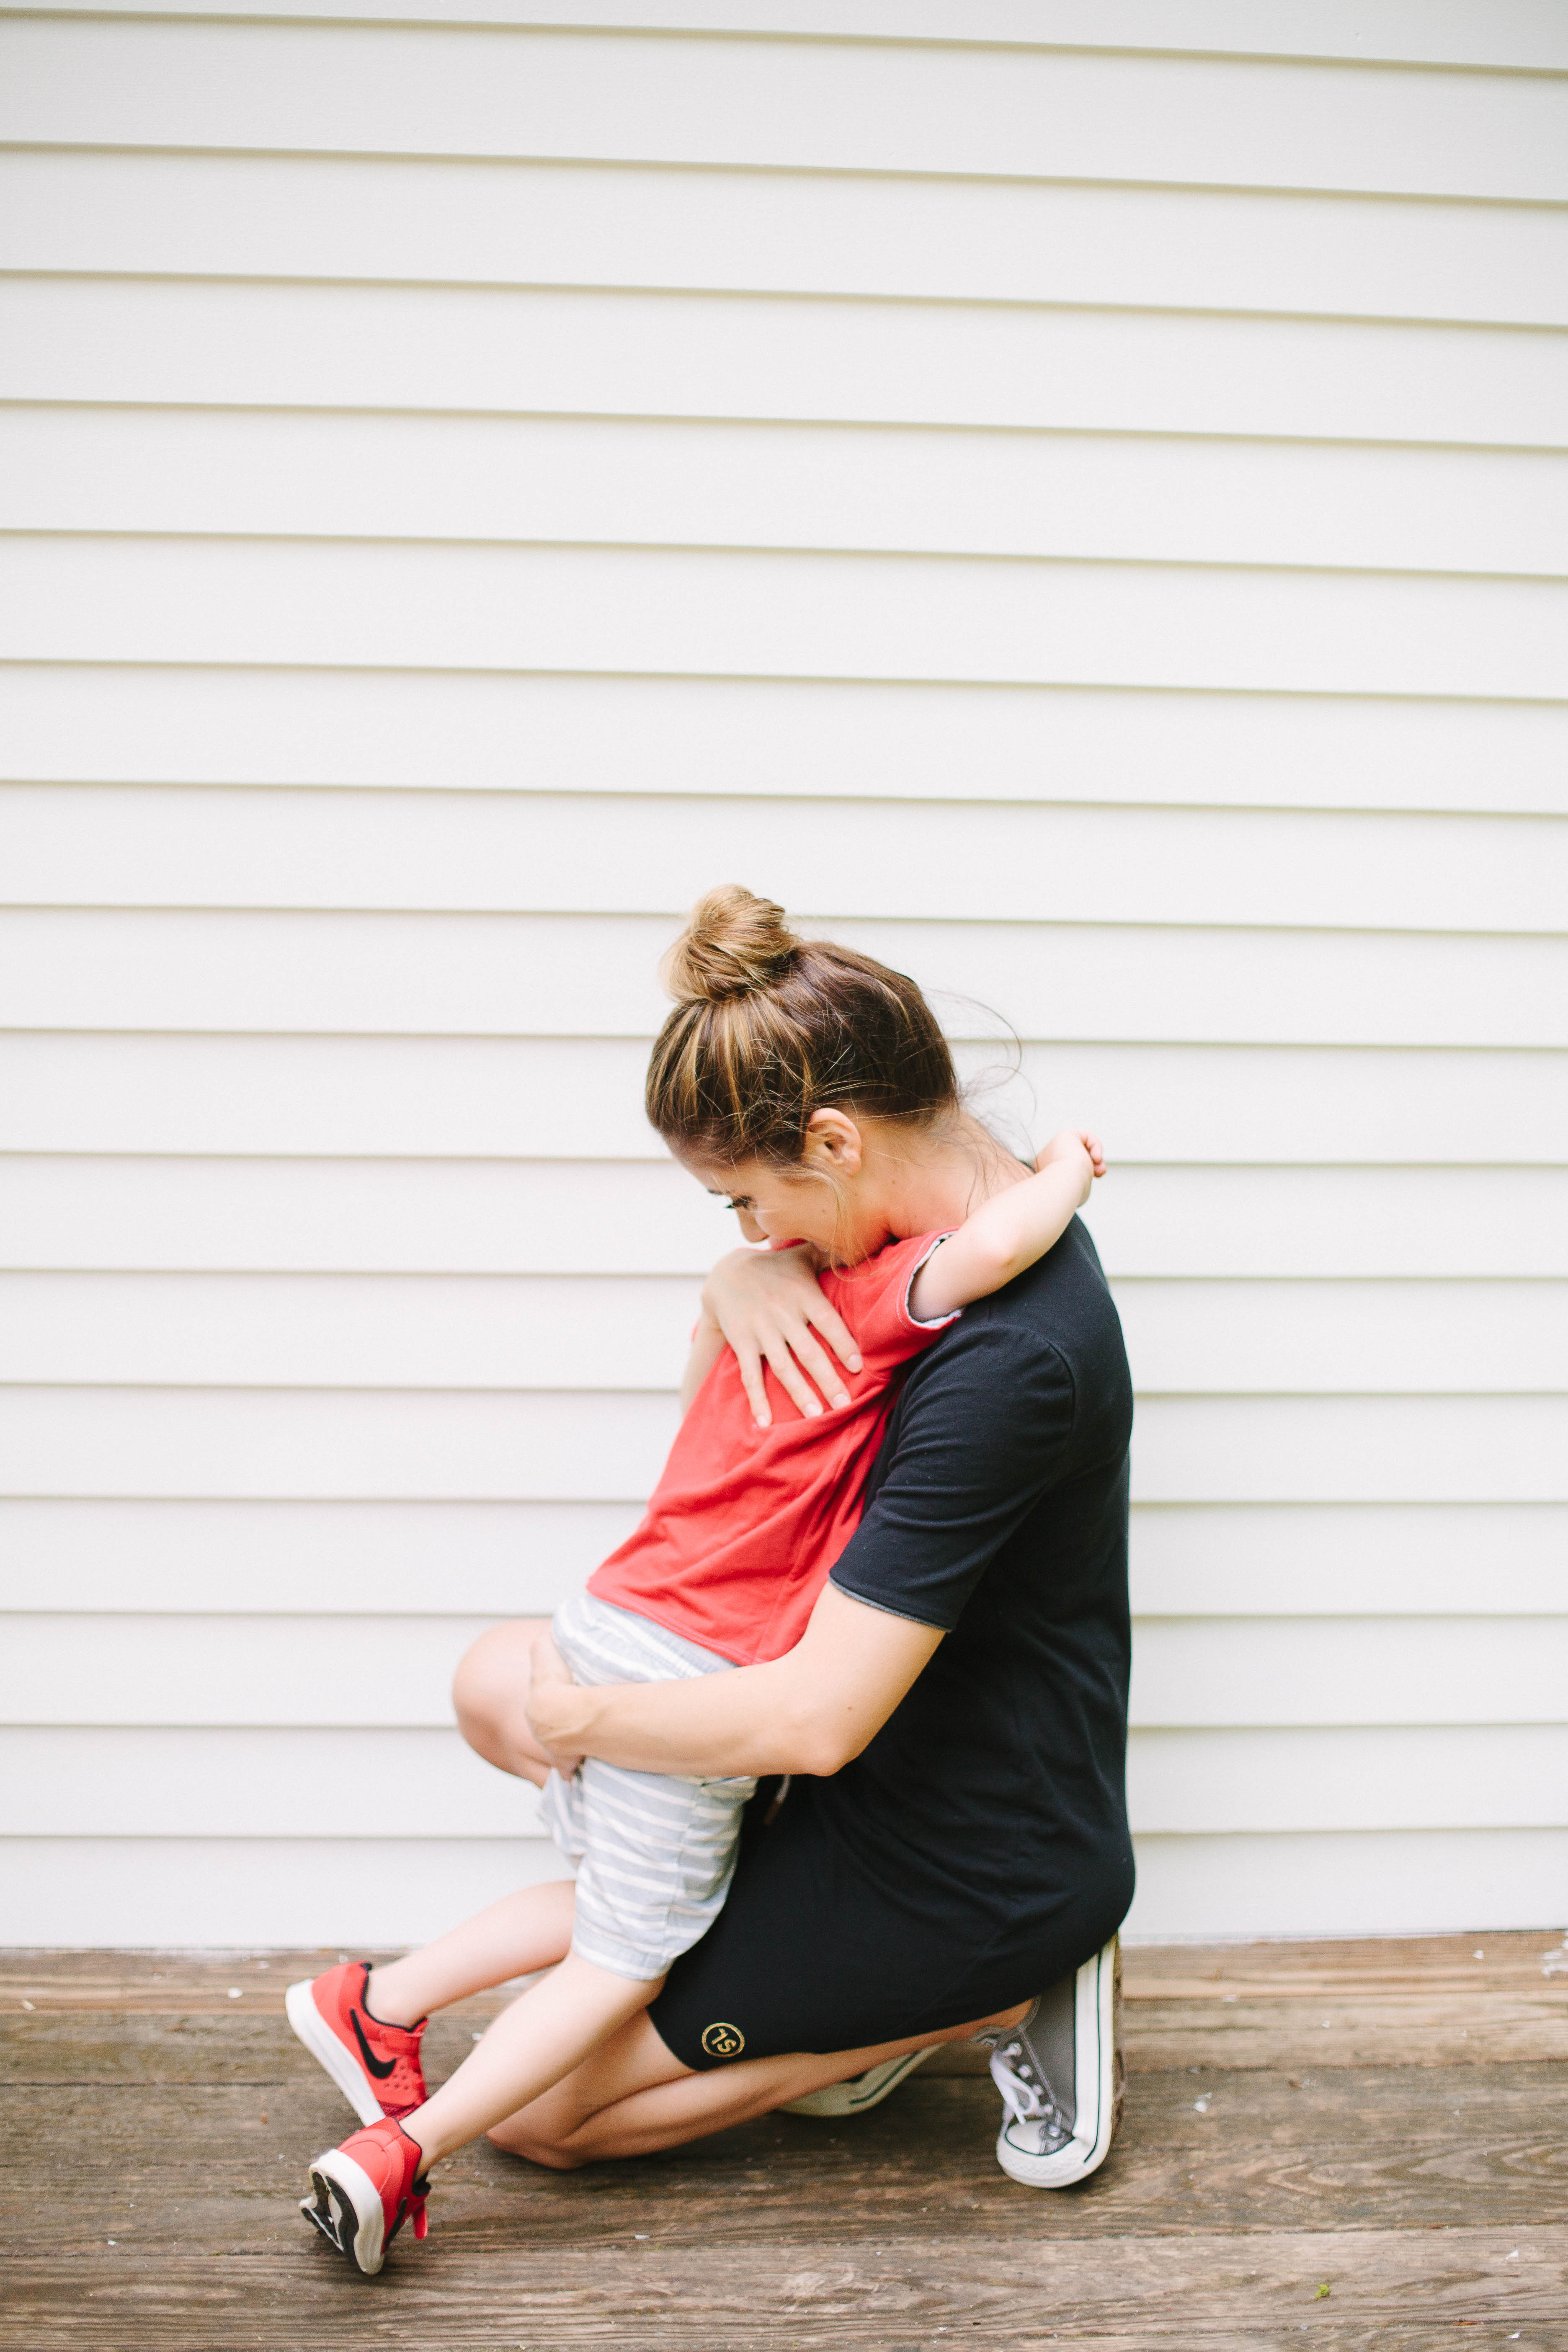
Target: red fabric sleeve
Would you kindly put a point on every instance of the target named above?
(873, 1298)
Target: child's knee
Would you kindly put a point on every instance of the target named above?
(490, 1683)
(471, 1683)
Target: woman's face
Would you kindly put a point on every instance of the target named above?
(773, 1205)
(818, 1201)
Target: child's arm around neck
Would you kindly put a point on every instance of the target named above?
(1012, 1231)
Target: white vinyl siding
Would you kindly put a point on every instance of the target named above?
(1071, 499)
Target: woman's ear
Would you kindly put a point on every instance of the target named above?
(833, 1143)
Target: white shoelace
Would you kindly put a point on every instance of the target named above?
(1028, 2097)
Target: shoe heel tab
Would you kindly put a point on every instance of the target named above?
(991, 2036)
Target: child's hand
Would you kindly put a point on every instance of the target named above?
(1069, 1143)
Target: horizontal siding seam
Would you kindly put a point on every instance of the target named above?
(374, 1161)
(1026, 930)
(1276, 1621)
(1348, 1395)
(905, 681)
(503, 1498)
(501, 1038)
(1272, 1622)
(415, 159)
(623, 1279)
(488, 1277)
(282, 1270)
(367, 1497)
(299, 1834)
(503, 1389)
(1424, 1830)
(708, 293)
(875, 805)
(243, 911)
(776, 551)
(395, 1614)
(766, 420)
(780, 37)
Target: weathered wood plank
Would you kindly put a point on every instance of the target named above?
(1420, 2147)
(171, 1983)
(1195, 2289)
(122, 2049)
(1394, 1964)
(1332, 2031)
(1411, 2001)
(1408, 2001)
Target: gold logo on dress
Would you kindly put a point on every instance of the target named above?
(723, 2041)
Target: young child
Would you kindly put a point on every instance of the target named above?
(752, 1511)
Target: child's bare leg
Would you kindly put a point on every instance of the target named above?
(546, 2032)
(520, 1934)
(489, 1693)
(523, 1932)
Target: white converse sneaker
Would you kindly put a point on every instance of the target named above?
(1061, 2078)
(861, 2091)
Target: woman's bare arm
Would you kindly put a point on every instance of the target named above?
(810, 1711)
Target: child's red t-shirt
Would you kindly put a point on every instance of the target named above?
(746, 1523)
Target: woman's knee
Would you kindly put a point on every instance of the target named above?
(514, 2137)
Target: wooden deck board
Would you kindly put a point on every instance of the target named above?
(1413, 2157)
(1200, 2289)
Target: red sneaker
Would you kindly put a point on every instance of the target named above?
(362, 2193)
(375, 2066)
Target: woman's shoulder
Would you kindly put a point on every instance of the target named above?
(1047, 1352)
(1059, 1307)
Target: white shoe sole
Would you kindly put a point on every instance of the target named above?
(346, 2208)
(1095, 2036)
(324, 2047)
(861, 2091)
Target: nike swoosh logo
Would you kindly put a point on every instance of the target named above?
(380, 2067)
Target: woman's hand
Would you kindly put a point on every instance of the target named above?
(767, 1304)
(555, 1705)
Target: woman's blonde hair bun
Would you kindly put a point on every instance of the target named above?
(768, 1029)
(734, 944)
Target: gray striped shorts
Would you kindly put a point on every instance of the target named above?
(655, 1855)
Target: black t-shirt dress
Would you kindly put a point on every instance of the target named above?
(978, 1848)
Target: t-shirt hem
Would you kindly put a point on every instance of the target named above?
(931, 1625)
(672, 1623)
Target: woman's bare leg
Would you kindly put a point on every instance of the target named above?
(490, 1692)
(633, 2097)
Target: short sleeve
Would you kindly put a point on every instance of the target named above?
(874, 1300)
(983, 1428)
